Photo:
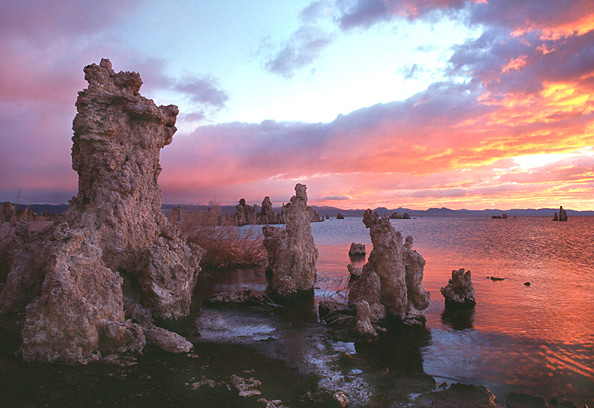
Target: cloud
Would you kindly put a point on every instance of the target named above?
(41, 23)
(344, 197)
(411, 71)
(364, 13)
(300, 50)
(204, 91)
(523, 87)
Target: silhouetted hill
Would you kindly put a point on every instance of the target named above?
(333, 211)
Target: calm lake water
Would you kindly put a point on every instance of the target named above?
(537, 339)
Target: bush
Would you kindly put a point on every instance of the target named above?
(226, 244)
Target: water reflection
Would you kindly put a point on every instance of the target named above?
(399, 350)
(458, 317)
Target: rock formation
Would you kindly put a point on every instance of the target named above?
(562, 215)
(7, 212)
(459, 290)
(396, 216)
(292, 253)
(246, 214)
(391, 280)
(10, 213)
(357, 249)
(363, 325)
(267, 215)
(114, 232)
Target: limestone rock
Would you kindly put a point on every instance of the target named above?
(341, 399)
(267, 214)
(458, 395)
(354, 273)
(113, 230)
(368, 288)
(328, 309)
(26, 267)
(521, 400)
(391, 279)
(363, 326)
(562, 215)
(167, 340)
(80, 312)
(459, 290)
(247, 387)
(357, 249)
(292, 254)
(418, 298)
(246, 214)
(169, 277)
(7, 212)
(313, 215)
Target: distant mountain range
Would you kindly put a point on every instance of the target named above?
(333, 211)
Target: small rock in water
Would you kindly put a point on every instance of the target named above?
(458, 395)
(246, 387)
(357, 249)
(342, 399)
(561, 402)
(459, 289)
(521, 400)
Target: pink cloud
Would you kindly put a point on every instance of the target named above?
(451, 145)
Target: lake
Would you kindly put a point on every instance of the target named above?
(537, 339)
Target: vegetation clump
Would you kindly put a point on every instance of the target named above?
(226, 244)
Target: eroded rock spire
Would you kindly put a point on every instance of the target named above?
(391, 280)
(292, 253)
(114, 237)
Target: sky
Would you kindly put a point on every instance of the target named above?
(470, 104)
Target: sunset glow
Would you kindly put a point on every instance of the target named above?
(441, 103)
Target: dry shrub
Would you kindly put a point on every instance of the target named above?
(226, 244)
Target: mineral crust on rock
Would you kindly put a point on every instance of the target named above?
(391, 280)
(113, 231)
(459, 290)
(292, 254)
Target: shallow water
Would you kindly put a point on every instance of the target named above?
(537, 339)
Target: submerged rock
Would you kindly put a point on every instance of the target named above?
(459, 396)
(459, 290)
(113, 231)
(292, 254)
(391, 280)
(521, 400)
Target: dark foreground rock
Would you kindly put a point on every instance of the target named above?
(520, 400)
